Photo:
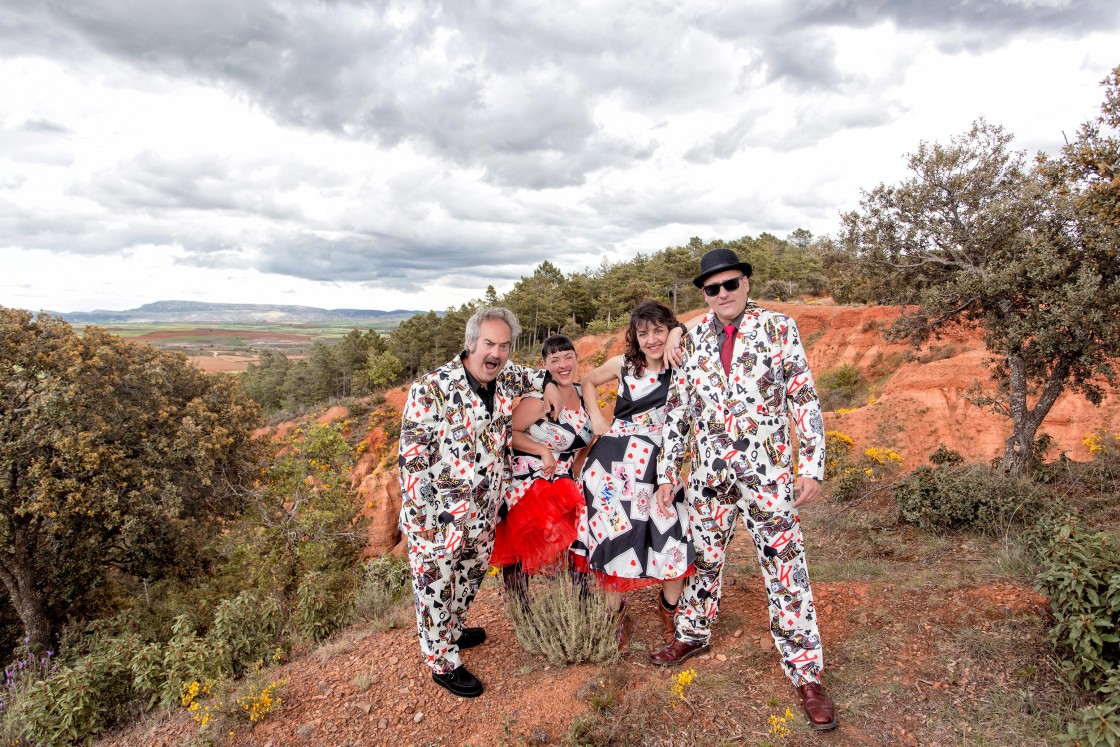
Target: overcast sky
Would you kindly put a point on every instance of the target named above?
(405, 155)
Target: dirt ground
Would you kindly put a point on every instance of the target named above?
(925, 644)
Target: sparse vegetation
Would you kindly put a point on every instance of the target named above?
(841, 388)
(972, 497)
(565, 621)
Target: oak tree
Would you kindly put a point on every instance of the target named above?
(980, 237)
(115, 457)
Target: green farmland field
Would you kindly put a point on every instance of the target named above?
(231, 347)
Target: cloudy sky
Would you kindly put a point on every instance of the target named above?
(407, 154)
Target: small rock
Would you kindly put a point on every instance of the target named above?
(737, 633)
(382, 723)
(418, 717)
(366, 707)
(393, 659)
(721, 657)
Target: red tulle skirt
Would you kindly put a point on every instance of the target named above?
(620, 584)
(540, 527)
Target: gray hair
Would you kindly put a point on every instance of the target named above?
(485, 314)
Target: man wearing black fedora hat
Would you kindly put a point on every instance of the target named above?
(744, 386)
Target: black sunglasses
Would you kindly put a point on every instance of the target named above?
(732, 285)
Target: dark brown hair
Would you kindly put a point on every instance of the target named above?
(648, 312)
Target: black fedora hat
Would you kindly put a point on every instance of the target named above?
(719, 260)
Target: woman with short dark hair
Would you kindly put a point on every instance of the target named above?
(543, 502)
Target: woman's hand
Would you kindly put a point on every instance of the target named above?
(599, 424)
(548, 464)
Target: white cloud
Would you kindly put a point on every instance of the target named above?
(334, 153)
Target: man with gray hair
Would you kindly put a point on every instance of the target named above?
(455, 431)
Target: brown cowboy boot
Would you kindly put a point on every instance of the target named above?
(668, 620)
(677, 652)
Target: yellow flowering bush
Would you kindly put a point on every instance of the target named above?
(192, 699)
(836, 448)
(682, 681)
(1097, 442)
(261, 700)
(851, 475)
(882, 457)
(780, 725)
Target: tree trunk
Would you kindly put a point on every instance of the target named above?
(1026, 421)
(19, 577)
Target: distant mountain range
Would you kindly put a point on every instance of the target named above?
(197, 312)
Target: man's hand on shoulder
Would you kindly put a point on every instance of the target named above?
(664, 496)
(807, 491)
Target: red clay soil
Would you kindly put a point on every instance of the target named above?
(371, 689)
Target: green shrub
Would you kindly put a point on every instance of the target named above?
(1081, 578)
(188, 657)
(565, 622)
(943, 456)
(246, 629)
(850, 485)
(841, 388)
(79, 700)
(1097, 725)
(323, 603)
(968, 497)
(384, 584)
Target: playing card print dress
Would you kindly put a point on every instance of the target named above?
(624, 537)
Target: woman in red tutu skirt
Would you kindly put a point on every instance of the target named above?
(543, 503)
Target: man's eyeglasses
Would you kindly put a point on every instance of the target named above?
(732, 285)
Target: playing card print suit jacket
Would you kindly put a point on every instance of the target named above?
(737, 424)
(451, 448)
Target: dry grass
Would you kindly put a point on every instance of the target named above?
(565, 621)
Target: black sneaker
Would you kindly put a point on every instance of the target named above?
(459, 681)
(470, 637)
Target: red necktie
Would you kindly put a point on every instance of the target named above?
(728, 346)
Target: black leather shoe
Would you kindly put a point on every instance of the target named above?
(470, 637)
(459, 681)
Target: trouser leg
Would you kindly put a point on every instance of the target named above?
(775, 527)
(712, 528)
(433, 574)
(478, 544)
